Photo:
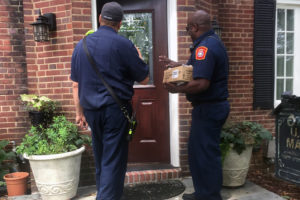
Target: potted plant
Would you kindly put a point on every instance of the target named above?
(237, 142)
(15, 182)
(41, 108)
(5, 164)
(54, 153)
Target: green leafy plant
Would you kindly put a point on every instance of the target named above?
(59, 137)
(38, 103)
(7, 157)
(41, 108)
(240, 134)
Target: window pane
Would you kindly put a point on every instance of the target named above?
(289, 85)
(289, 65)
(280, 43)
(290, 43)
(290, 20)
(279, 88)
(137, 27)
(280, 65)
(280, 20)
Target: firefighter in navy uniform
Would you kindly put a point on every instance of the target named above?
(121, 65)
(208, 94)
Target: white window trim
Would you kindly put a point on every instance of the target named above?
(295, 5)
(288, 2)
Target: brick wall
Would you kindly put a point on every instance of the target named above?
(12, 70)
(49, 63)
(236, 17)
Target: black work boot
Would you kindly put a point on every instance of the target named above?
(189, 196)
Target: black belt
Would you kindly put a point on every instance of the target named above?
(207, 102)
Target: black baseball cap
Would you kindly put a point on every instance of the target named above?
(112, 11)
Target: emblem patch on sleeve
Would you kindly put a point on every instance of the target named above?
(201, 53)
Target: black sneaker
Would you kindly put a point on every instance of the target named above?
(189, 197)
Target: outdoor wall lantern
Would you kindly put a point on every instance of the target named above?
(215, 25)
(43, 25)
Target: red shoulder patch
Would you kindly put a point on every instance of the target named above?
(201, 53)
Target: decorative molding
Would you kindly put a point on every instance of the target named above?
(234, 177)
(56, 189)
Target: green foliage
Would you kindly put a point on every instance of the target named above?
(59, 137)
(238, 135)
(38, 103)
(5, 155)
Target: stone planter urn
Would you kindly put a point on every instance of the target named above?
(236, 166)
(57, 175)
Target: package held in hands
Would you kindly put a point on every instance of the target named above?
(179, 75)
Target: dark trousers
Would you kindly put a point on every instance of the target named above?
(204, 150)
(110, 147)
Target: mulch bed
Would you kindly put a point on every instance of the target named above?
(264, 176)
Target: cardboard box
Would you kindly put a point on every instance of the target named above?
(179, 75)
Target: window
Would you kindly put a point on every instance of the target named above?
(287, 53)
(137, 27)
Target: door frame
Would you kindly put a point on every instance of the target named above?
(173, 98)
(173, 54)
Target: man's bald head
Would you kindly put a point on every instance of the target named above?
(200, 17)
(198, 23)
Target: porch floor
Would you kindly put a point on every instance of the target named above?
(249, 191)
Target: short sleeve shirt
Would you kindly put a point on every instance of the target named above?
(117, 60)
(210, 61)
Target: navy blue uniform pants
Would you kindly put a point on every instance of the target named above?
(204, 150)
(110, 147)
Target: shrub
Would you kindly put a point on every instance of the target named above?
(5, 155)
(239, 134)
(59, 137)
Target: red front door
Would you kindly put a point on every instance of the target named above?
(145, 24)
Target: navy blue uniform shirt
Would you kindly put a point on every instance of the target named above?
(210, 61)
(117, 60)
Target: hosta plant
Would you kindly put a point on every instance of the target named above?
(34, 102)
(237, 135)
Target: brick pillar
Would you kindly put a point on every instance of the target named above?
(49, 63)
(12, 70)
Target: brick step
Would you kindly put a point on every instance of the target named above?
(147, 176)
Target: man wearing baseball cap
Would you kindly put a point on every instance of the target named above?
(118, 61)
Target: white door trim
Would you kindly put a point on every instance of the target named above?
(173, 98)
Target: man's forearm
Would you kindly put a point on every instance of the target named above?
(169, 63)
(194, 86)
(76, 99)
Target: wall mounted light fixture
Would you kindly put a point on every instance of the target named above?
(43, 25)
(215, 25)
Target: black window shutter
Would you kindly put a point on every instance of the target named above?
(263, 69)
